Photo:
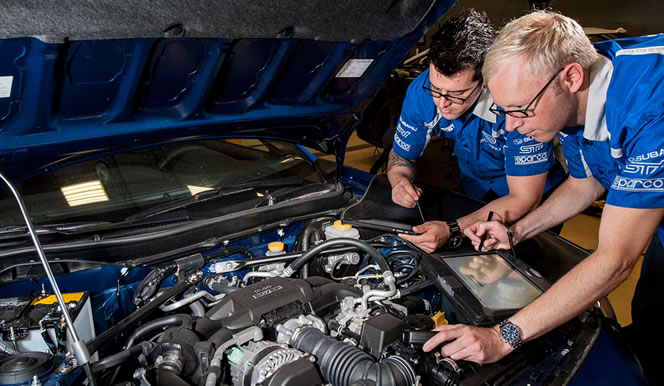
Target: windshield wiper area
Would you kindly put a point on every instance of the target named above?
(16, 232)
(216, 193)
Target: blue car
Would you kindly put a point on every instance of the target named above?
(165, 222)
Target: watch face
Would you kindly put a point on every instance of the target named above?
(455, 241)
(509, 332)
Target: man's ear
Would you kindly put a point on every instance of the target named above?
(572, 77)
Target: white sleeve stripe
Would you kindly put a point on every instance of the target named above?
(617, 153)
(585, 165)
(642, 51)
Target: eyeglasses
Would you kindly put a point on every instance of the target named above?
(449, 98)
(522, 113)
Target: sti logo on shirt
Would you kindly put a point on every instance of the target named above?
(636, 165)
(530, 159)
(404, 133)
(530, 149)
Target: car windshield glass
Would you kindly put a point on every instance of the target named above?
(118, 186)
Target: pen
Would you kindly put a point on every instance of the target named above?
(484, 235)
(417, 203)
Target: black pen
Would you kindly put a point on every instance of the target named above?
(417, 203)
(485, 232)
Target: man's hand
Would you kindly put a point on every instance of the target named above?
(475, 344)
(405, 194)
(432, 235)
(496, 235)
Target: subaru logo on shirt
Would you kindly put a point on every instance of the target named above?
(530, 159)
(448, 128)
(529, 149)
(519, 141)
(488, 138)
(404, 124)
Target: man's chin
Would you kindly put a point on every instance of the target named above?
(450, 116)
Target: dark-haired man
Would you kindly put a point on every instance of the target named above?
(450, 100)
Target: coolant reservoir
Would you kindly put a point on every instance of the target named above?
(275, 248)
(338, 229)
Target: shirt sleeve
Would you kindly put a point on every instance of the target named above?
(640, 182)
(576, 165)
(526, 157)
(411, 134)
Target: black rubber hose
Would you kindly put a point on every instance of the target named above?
(359, 244)
(345, 365)
(181, 320)
(217, 282)
(222, 336)
(415, 288)
(121, 357)
(317, 281)
(168, 377)
(141, 313)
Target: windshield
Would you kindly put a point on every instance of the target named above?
(116, 187)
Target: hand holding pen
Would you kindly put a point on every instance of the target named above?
(417, 203)
(483, 239)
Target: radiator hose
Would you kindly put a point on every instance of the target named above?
(345, 365)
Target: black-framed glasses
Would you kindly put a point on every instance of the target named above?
(522, 113)
(450, 98)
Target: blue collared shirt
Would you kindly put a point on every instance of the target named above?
(622, 142)
(486, 153)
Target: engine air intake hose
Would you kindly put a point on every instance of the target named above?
(359, 244)
(345, 365)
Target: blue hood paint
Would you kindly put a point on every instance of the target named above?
(77, 97)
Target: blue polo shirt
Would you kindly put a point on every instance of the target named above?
(486, 153)
(622, 142)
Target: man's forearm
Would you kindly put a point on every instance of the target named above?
(509, 208)
(596, 275)
(570, 199)
(525, 193)
(399, 168)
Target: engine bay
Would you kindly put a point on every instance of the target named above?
(316, 302)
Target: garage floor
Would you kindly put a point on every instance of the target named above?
(582, 229)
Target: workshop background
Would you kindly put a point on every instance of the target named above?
(609, 19)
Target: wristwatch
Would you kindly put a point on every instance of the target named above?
(456, 238)
(510, 333)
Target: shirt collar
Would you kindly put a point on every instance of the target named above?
(484, 101)
(595, 122)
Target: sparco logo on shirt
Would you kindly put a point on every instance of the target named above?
(529, 149)
(530, 159)
(401, 143)
(638, 184)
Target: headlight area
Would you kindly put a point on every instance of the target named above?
(327, 305)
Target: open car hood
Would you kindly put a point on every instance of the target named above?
(79, 76)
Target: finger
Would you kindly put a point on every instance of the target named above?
(445, 333)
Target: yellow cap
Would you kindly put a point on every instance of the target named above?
(275, 246)
(439, 319)
(339, 225)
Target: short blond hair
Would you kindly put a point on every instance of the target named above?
(545, 41)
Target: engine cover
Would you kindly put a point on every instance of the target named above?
(247, 306)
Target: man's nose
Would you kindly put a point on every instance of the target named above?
(442, 102)
(512, 123)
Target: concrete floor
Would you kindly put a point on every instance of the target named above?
(581, 229)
